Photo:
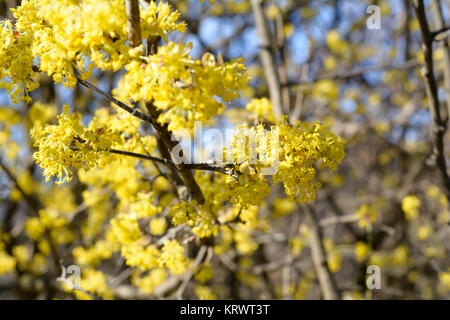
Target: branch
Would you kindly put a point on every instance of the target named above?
(167, 145)
(267, 57)
(133, 23)
(142, 156)
(434, 34)
(189, 274)
(120, 104)
(439, 125)
(356, 73)
(227, 169)
(74, 286)
(35, 205)
(195, 192)
(437, 10)
(326, 281)
(338, 219)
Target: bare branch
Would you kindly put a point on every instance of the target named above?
(35, 205)
(227, 169)
(133, 22)
(436, 33)
(267, 56)
(326, 280)
(120, 104)
(440, 23)
(336, 76)
(439, 125)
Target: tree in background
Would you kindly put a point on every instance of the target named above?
(93, 178)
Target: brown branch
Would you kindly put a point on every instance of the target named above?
(227, 169)
(336, 76)
(189, 274)
(170, 144)
(440, 23)
(267, 56)
(326, 280)
(133, 111)
(133, 23)
(438, 125)
(34, 205)
(193, 188)
(338, 219)
(162, 130)
(442, 29)
(281, 45)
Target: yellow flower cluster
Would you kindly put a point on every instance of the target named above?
(366, 215)
(40, 114)
(149, 282)
(69, 145)
(262, 109)
(16, 63)
(93, 281)
(204, 273)
(199, 218)
(334, 256)
(186, 90)
(302, 147)
(172, 257)
(158, 226)
(158, 19)
(410, 206)
(93, 255)
(292, 151)
(7, 263)
(204, 292)
(444, 277)
(64, 34)
(362, 250)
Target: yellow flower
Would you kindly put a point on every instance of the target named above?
(444, 277)
(334, 257)
(410, 206)
(184, 89)
(148, 283)
(69, 145)
(94, 282)
(204, 273)
(424, 232)
(16, 61)
(204, 293)
(158, 226)
(366, 215)
(361, 250)
(290, 152)
(7, 263)
(172, 257)
(262, 109)
(296, 245)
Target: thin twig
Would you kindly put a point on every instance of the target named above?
(335, 76)
(338, 219)
(201, 254)
(267, 57)
(434, 34)
(439, 18)
(227, 169)
(132, 111)
(35, 205)
(438, 125)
